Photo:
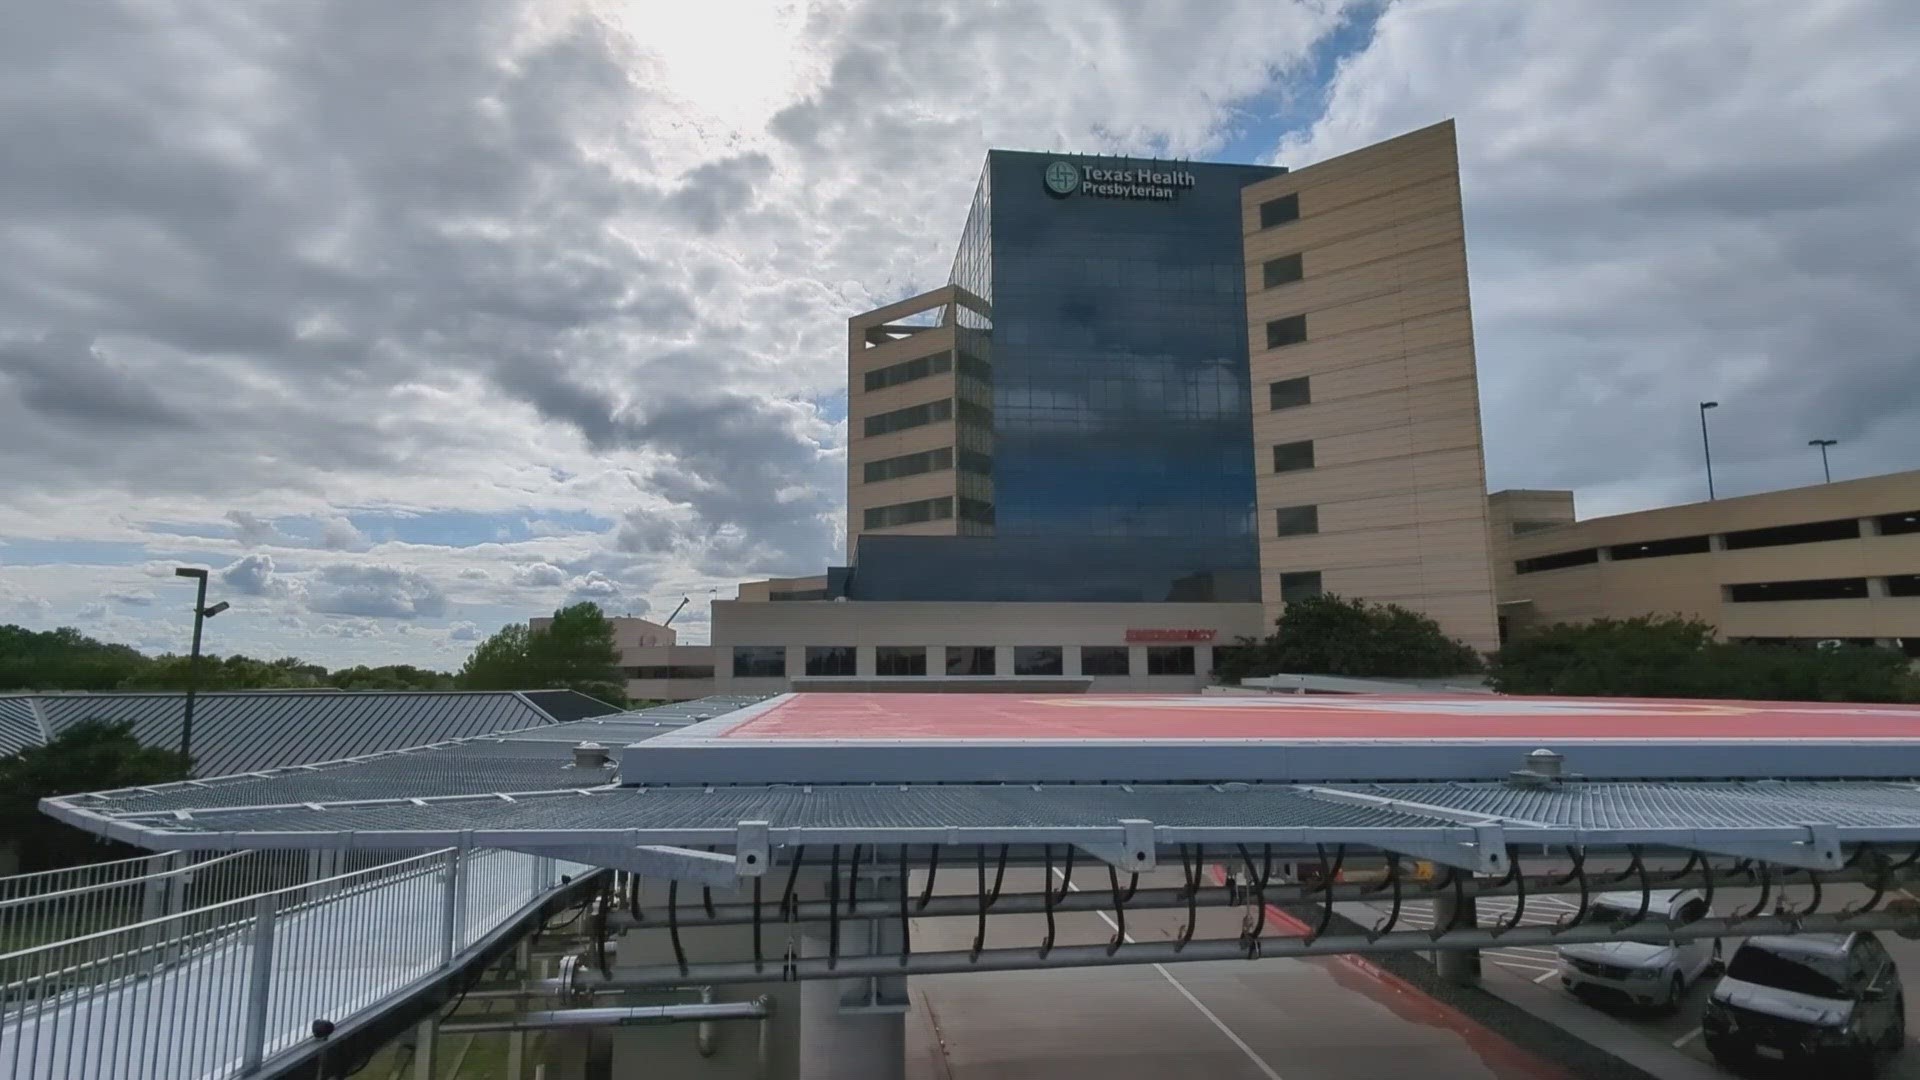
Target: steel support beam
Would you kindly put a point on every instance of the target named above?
(549, 1019)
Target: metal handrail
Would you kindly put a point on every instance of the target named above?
(215, 990)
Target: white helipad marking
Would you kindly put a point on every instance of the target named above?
(1258, 1062)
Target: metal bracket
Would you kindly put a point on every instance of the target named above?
(1486, 854)
(1818, 849)
(1134, 854)
(672, 864)
(751, 850)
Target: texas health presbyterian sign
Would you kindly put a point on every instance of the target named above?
(1064, 178)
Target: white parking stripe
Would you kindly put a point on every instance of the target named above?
(1545, 977)
(1687, 1038)
(1258, 1062)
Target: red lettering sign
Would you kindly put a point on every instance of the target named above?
(1136, 634)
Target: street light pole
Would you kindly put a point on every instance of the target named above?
(1706, 445)
(1823, 444)
(201, 613)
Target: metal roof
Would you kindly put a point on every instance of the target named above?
(246, 731)
(19, 728)
(522, 790)
(565, 705)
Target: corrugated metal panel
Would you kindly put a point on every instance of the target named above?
(1694, 805)
(528, 759)
(18, 728)
(247, 732)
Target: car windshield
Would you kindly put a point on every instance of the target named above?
(1801, 974)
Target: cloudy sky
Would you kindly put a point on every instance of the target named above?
(414, 319)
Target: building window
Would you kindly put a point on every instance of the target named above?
(1280, 271)
(1813, 532)
(1898, 524)
(886, 517)
(1279, 211)
(1298, 520)
(1288, 393)
(1767, 592)
(976, 510)
(1522, 528)
(1559, 560)
(1903, 585)
(670, 671)
(969, 659)
(759, 661)
(1293, 456)
(1291, 330)
(975, 367)
(1104, 660)
(1038, 660)
(1169, 659)
(1299, 585)
(925, 461)
(900, 659)
(798, 594)
(908, 370)
(912, 416)
(973, 461)
(975, 413)
(830, 660)
(1654, 549)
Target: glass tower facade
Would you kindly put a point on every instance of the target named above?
(1120, 433)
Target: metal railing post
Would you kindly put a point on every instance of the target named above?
(259, 983)
(449, 905)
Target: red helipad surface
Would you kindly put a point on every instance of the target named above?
(999, 718)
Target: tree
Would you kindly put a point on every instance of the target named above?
(1677, 656)
(1330, 635)
(63, 659)
(575, 652)
(92, 755)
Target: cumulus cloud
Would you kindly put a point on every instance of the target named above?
(254, 575)
(375, 592)
(539, 576)
(251, 529)
(339, 534)
(463, 631)
(131, 597)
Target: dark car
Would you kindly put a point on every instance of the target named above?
(1833, 998)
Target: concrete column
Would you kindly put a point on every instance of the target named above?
(425, 1036)
(1203, 664)
(854, 1029)
(1070, 659)
(936, 661)
(796, 660)
(1876, 588)
(1137, 661)
(1717, 542)
(1003, 660)
(864, 663)
(1458, 966)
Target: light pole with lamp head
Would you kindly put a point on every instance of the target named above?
(1823, 444)
(201, 613)
(1707, 446)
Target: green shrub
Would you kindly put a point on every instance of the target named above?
(1331, 635)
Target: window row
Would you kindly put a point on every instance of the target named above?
(906, 371)
(926, 461)
(770, 661)
(1767, 592)
(912, 416)
(909, 513)
(669, 671)
(1811, 532)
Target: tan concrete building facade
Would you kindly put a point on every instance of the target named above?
(915, 399)
(1835, 561)
(1366, 403)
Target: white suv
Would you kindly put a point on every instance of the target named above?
(1640, 973)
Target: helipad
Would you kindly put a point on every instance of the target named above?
(917, 738)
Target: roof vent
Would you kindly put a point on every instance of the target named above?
(591, 755)
(1544, 768)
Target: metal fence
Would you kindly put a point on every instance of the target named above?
(42, 908)
(215, 990)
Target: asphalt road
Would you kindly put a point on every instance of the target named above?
(1326, 1019)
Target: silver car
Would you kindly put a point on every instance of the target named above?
(1640, 973)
